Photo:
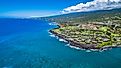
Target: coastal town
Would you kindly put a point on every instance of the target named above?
(91, 35)
(90, 30)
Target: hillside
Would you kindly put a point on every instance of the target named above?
(98, 30)
(82, 17)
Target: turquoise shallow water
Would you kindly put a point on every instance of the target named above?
(26, 43)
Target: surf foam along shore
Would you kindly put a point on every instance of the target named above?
(62, 40)
(53, 23)
(69, 43)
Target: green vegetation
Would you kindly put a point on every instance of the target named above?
(92, 33)
(84, 17)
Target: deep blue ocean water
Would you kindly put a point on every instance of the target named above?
(26, 43)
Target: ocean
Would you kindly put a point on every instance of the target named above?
(26, 43)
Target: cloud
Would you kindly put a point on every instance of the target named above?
(93, 6)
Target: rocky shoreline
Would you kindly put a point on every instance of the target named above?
(81, 46)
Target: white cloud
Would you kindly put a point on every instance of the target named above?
(93, 5)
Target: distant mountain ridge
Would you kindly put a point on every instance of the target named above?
(100, 15)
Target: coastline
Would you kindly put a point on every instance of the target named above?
(91, 47)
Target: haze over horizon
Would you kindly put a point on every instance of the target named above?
(35, 8)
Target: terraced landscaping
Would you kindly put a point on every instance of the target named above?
(91, 35)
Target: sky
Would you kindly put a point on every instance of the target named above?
(35, 8)
(31, 8)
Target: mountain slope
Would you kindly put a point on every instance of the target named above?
(82, 17)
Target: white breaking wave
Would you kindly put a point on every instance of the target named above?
(67, 45)
(62, 40)
(52, 35)
(75, 47)
(88, 50)
(53, 23)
